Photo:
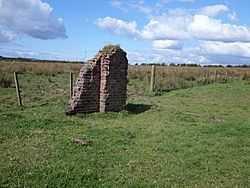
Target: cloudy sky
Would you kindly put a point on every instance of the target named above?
(151, 31)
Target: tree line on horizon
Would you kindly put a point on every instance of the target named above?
(192, 65)
(16, 59)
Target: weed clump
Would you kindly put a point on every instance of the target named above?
(108, 48)
(5, 81)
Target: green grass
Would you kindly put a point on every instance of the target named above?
(196, 137)
(108, 48)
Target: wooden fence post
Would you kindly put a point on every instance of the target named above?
(206, 77)
(226, 75)
(17, 89)
(71, 85)
(152, 80)
(215, 76)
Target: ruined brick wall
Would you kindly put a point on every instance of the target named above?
(113, 85)
(102, 84)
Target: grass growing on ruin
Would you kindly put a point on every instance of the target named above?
(108, 48)
(195, 137)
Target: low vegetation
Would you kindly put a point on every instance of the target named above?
(193, 137)
(7, 68)
(169, 78)
(108, 48)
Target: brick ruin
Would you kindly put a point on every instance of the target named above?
(102, 84)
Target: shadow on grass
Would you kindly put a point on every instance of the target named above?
(37, 105)
(137, 108)
(10, 116)
(129, 109)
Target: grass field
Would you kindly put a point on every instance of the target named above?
(194, 137)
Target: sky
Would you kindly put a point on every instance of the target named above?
(150, 31)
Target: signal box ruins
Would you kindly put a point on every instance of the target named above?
(102, 83)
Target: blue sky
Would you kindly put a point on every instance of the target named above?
(150, 31)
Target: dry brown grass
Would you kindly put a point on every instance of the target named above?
(167, 78)
(39, 68)
(170, 78)
(7, 68)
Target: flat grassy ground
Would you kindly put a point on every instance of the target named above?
(196, 137)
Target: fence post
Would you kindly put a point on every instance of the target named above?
(17, 89)
(152, 80)
(226, 74)
(71, 85)
(206, 77)
(215, 76)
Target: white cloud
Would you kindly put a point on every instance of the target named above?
(167, 28)
(176, 12)
(7, 52)
(207, 38)
(232, 16)
(197, 55)
(214, 10)
(167, 44)
(166, 56)
(145, 10)
(139, 6)
(170, 1)
(205, 28)
(125, 6)
(117, 26)
(165, 31)
(6, 36)
(232, 49)
(178, 24)
(161, 3)
(119, 5)
(31, 17)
